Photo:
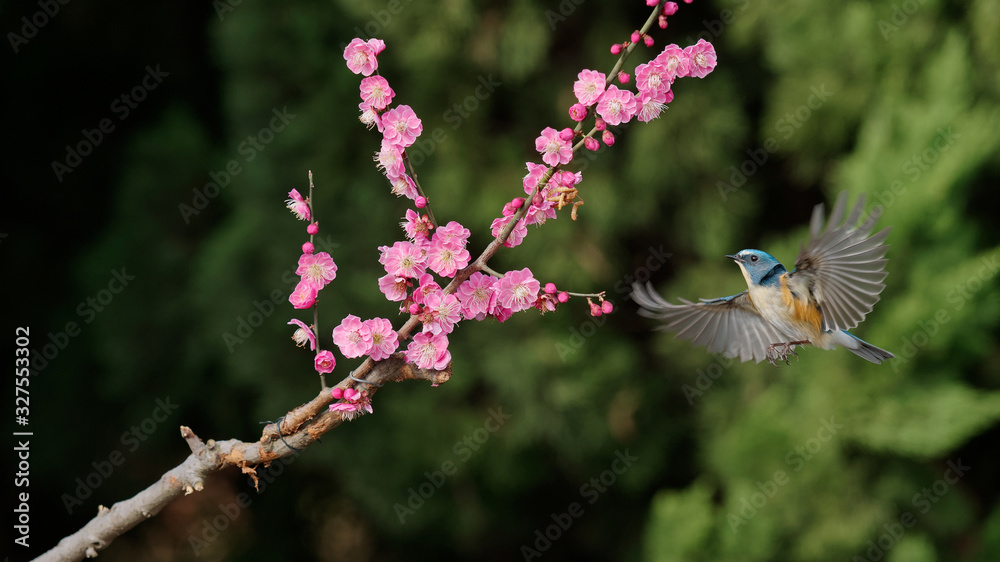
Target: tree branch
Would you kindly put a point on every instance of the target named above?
(299, 428)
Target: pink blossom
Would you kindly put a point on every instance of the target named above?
(298, 206)
(589, 86)
(390, 161)
(375, 91)
(500, 312)
(404, 185)
(361, 55)
(369, 116)
(545, 303)
(517, 290)
(303, 334)
(318, 269)
(452, 233)
(516, 236)
(325, 361)
(652, 104)
(426, 287)
(429, 351)
(535, 173)
(353, 337)
(394, 288)
(417, 227)
(542, 208)
(385, 340)
(477, 295)
(675, 61)
(304, 295)
(446, 257)
(578, 112)
(403, 259)
(652, 77)
(354, 402)
(554, 150)
(617, 106)
(402, 126)
(702, 57)
(441, 312)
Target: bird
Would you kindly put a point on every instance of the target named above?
(838, 277)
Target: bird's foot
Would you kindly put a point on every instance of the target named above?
(786, 349)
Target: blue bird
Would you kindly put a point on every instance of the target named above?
(837, 279)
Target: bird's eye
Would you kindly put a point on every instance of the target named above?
(753, 258)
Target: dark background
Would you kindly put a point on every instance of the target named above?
(896, 101)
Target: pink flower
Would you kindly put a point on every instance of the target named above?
(384, 338)
(535, 173)
(517, 290)
(304, 295)
(403, 259)
(516, 235)
(500, 312)
(446, 258)
(675, 61)
(318, 269)
(477, 295)
(452, 233)
(298, 206)
(589, 87)
(402, 126)
(375, 92)
(390, 161)
(369, 116)
(545, 303)
(554, 150)
(325, 361)
(578, 112)
(652, 104)
(404, 185)
(426, 287)
(353, 337)
(303, 334)
(354, 402)
(617, 106)
(394, 288)
(652, 78)
(429, 351)
(702, 56)
(441, 312)
(360, 55)
(417, 227)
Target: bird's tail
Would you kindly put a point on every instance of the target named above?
(863, 349)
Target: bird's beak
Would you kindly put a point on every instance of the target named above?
(736, 259)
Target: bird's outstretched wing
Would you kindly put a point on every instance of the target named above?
(842, 268)
(729, 325)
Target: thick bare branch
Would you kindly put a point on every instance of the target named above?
(300, 428)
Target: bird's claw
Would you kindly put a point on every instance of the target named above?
(787, 348)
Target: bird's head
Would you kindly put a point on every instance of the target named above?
(758, 267)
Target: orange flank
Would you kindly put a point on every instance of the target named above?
(802, 311)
